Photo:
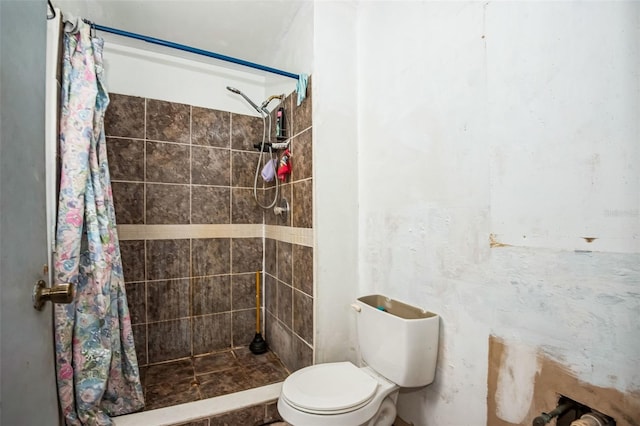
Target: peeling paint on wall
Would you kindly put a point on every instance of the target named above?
(551, 380)
(516, 377)
(493, 242)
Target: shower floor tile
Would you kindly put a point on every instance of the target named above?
(207, 376)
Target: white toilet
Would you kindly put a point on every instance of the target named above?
(399, 344)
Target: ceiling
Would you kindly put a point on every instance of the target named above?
(246, 29)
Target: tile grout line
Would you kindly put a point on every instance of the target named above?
(190, 164)
(144, 172)
(144, 218)
(231, 183)
(191, 296)
(191, 290)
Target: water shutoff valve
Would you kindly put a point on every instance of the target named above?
(282, 209)
(593, 419)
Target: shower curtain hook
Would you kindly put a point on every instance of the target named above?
(53, 11)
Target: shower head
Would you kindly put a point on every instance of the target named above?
(270, 98)
(238, 92)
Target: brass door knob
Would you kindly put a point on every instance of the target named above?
(60, 293)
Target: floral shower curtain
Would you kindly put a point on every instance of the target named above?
(97, 369)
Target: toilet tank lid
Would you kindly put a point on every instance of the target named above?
(329, 387)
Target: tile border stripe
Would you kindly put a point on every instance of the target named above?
(301, 236)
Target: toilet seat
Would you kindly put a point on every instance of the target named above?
(332, 388)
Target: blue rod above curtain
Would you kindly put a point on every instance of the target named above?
(190, 49)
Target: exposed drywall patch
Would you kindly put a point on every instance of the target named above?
(552, 380)
(516, 377)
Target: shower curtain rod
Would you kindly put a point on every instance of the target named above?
(190, 49)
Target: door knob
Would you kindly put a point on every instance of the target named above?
(60, 293)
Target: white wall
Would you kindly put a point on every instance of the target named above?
(513, 119)
(247, 30)
(137, 72)
(335, 178)
(294, 51)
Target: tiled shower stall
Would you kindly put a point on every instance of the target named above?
(192, 237)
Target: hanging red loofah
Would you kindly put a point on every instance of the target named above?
(284, 167)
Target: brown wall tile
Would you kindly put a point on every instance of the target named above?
(167, 259)
(140, 342)
(302, 355)
(169, 340)
(126, 159)
(303, 316)
(210, 204)
(270, 256)
(124, 116)
(203, 422)
(245, 131)
(243, 291)
(167, 162)
(271, 294)
(167, 299)
(244, 208)
(132, 254)
(285, 303)
(210, 166)
(168, 121)
(302, 160)
(211, 295)
(246, 255)
(128, 199)
(280, 341)
(243, 165)
(210, 127)
(210, 256)
(302, 204)
(285, 269)
(136, 301)
(303, 268)
(167, 203)
(250, 416)
(272, 413)
(211, 333)
(284, 193)
(244, 327)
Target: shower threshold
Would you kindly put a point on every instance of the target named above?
(209, 411)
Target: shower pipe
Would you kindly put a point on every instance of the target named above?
(190, 49)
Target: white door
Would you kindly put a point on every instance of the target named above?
(27, 377)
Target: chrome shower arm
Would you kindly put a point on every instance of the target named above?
(246, 98)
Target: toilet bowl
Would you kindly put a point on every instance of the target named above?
(338, 393)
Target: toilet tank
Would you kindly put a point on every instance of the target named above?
(398, 340)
